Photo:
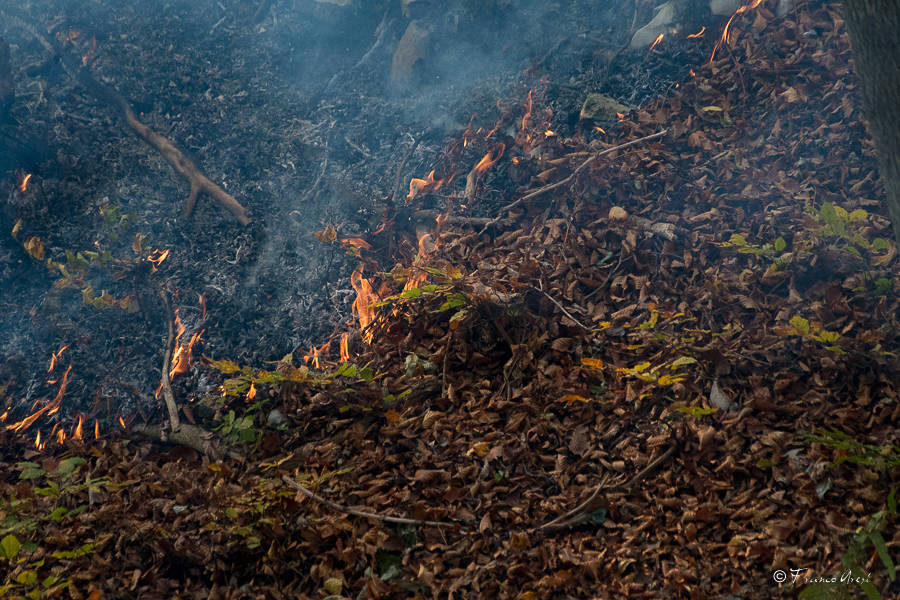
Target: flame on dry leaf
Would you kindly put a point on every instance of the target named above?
(723, 39)
(365, 299)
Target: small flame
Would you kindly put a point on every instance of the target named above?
(691, 71)
(490, 158)
(723, 39)
(656, 42)
(418, 186)
(50, 408)
(528, 106)
(600, 129)
(54, 358)
(365, 298)
(60, 437)
(251, 393)
(183, 354)
(96, 430)
(24, 185)
(317, 355)
(76, 435)
(345, 347)
(549, 133)
(620, 115)
(157, 257)
(37, 441)
(122, 422)
(700, 33)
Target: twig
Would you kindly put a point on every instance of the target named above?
(166, 385)
(561, 307)
(580, 513)
(570, 178)
(362, 513)
(398, 178)
(261, 11)
(444, 393)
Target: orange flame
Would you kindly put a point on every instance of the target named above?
(600, 129)
(418, 186)
(656, 42)
(54, 358)
(491, 157)
(528, 106)
(96, 430)
(76, 435)
(317, 354)
(122, 422)
(698, 34)
(37, 441)
(50, 408)
(183, 354)
(345, 347)
(60, 437)
(357, 243)
(157, 257)
(365, 298)
(24, 185)
(723, 39)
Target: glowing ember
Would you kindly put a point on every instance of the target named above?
(490, 158)
(600, 129)
(549, 133)
(345, 347)
(691, 71)
(723, 39)
(656, 42)
(620, 115)
(365, 298)
(24, 185)
(698, 34)
(37, 441)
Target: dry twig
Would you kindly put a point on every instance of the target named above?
(568, 179)
(362, 513)
(167, 359)
(581, 513)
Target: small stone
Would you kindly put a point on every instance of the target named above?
(600, 107)
(333, 586)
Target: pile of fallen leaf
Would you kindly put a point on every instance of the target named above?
(625, 389)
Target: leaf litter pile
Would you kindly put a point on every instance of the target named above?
(655, 370)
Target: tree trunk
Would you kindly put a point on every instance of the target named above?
(873, 26)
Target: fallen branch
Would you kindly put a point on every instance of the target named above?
(582, 512)
(188, 435)
(568, 179)
(562, 308)
(176, 158)
(165, 384)
(362, 513)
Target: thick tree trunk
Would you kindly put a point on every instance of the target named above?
(873, 26)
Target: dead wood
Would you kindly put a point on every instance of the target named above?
(363, 513)
(165, 384)
(194, 437)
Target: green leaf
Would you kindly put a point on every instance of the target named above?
(389, 565)
(858, 215)
(696, 411)
(68, 465)
(892, 502)
(29, 470)
(411, 294)
(883, 554)
(780, 244)
(738, 240)
(9, 546)
(800, 324)
(367, 374)
(28, 577)
(59, 513)
(682, 361)
(881, 244)
(817, 591)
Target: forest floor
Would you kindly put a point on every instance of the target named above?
(668, 370)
